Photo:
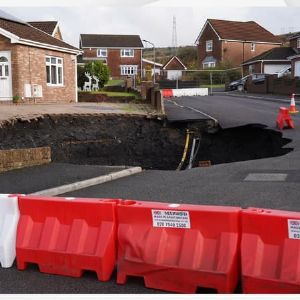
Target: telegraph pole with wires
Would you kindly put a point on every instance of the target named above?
(174, 37)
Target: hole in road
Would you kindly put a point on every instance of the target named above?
(139, 141)
(243, 143)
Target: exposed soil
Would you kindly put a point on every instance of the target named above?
(106, 139)
(137, 140)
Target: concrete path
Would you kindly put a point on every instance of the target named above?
(27, 111)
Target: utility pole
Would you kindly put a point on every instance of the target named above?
(174, 37)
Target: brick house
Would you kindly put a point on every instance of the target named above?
(173, 68)
(34, 65)
(121, 53)
(270, 62)
(295, 59)
(232, 42)
(50, 27)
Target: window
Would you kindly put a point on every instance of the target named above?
(209, 46)
(128, 70)
(209, 65)
(127, 53)
(253, 46)
(101, 52)
(298, 43)
(54, 70)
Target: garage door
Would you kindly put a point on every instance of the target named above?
(273, 69)
(297, 68)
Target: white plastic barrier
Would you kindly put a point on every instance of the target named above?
(9, 218)
(190, 92)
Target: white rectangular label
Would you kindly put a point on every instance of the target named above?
(171, 218)
(294, 229)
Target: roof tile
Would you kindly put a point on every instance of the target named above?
(110, 41)
(243, 31)
(278, 53)
(46, 26)
(28, 32)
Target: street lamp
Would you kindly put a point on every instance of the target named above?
(153, 59)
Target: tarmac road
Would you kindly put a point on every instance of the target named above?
(224, 184)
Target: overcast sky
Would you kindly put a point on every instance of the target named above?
(153, 19)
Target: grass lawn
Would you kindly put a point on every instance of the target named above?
(116, 94)
(213, 86)
(114, 82)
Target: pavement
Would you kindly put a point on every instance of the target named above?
(38, 178)
(272, 183)
(31, 111)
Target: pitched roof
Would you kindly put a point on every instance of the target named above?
(295, 35)
(242, 31)
(151, 62)
(110, 41)
(175, 58)
(27, 34)
(278, 53)
(46, 26)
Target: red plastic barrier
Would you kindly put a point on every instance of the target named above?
(284, 118)
(167, 93)
(66, 236)
(179, 247)
(270, 251)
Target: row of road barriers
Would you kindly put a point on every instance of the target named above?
(174, 247)
(167, 93)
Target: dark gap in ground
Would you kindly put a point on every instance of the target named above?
(249, 142)
(139, 141)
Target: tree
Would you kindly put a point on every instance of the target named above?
(81, 78)
(98, 70)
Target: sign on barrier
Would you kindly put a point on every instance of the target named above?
(67, 236)
(179, 247)
(9, 217)
(270, 251)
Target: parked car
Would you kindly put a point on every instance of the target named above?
(240, 84)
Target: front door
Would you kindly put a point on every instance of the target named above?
(5, 76)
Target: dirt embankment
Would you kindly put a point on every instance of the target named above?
(106, 139)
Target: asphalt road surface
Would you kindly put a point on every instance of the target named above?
(274, 183)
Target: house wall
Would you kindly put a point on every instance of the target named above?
(293, 65)
(209, 34)
(293, 43)
(58, 34)
(114, 59)
(234, 53)
(231, 53)
(260, 68)
(256, 68)
(174, 65)
(29, 67)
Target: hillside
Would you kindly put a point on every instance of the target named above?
(187, 54)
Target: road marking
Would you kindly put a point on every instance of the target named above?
(266, 177)
(196, 110)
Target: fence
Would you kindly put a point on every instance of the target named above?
(202, 78)
(275, 85)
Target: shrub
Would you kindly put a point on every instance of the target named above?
(99, 70)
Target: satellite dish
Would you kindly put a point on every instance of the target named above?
(6, 16)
